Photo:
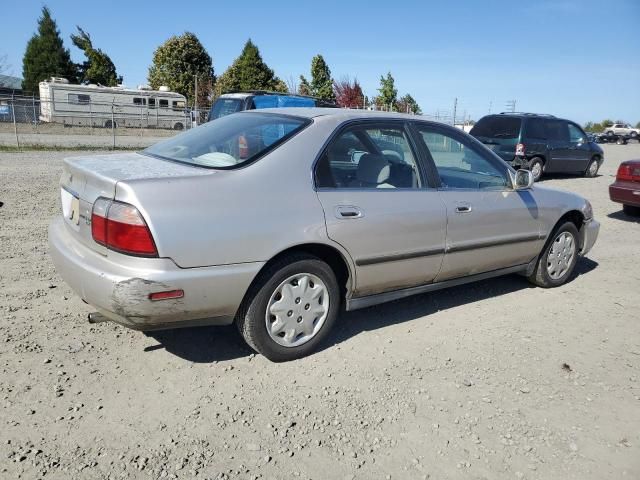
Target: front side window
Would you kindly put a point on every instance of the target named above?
(459, 165)
(368, 157)
(576, 135)
(164, 103)
(229, 141)
(178, 105)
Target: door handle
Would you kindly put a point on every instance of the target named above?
(348, 211)
(463, 208)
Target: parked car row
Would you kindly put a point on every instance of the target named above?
(277, 219)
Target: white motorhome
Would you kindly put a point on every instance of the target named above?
(99, 106)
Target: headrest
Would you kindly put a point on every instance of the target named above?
(373, 169)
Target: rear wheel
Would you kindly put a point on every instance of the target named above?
(109, 124)
(631, 210)
(610, 133)
(634, 134)
(537, 168)
(291, 309)
(592, 169)
(178, 126)
(558, 259)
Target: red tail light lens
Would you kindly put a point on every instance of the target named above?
(628, 173)
(119, 226)
(520, 149)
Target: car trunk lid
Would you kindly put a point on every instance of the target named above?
(85, 179)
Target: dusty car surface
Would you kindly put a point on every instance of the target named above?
(274, 219)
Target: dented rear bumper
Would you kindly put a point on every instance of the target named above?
(118, 286)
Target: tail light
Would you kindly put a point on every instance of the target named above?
(628, 173)
(520, 149)
(120, 227)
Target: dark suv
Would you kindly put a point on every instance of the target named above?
(540, 143)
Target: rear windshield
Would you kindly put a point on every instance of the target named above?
(225, 106)
(229, 141)
(497, 127)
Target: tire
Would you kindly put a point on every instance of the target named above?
(536, 166)
(178, 126)
(592, 169)
(261, 305)
(610, 133)
(634, 134)
(549, 273)
(108, 124)
(631, 210)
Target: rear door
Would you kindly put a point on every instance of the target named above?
(378, 206)
(490, 226)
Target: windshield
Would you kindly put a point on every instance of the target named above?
(497, 127)
(225, 106)
(229, 141)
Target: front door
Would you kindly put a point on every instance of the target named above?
(377, 205)
(490, 226)
(579, 152)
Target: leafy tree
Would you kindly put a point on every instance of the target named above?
(349, 93)
(98, 68)
(177, 62)
(249, 72)
(321, 84)
(407, 104)
(388, 92)
(45, 55)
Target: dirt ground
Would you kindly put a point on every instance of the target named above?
(495, 380)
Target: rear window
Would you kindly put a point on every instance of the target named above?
(497, 127)
(225, 106)
(230, 141)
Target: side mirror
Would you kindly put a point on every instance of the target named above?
(522, 180)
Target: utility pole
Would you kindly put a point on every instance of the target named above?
(511, 106)
(195, 101)
(455, 107)
(490, 105)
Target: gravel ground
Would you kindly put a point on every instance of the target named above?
(496, 380)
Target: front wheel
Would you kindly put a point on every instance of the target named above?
(291, 309)
(537, 167)
(592, 169)
(634, 134)
(558, 259)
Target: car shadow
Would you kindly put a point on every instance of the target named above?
(564, 176)
(620, 215)
(212, 344)
(353, 323)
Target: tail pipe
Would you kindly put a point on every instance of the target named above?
(96, 317)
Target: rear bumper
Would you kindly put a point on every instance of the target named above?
(118, 286)
(627, 193)
(589, 233)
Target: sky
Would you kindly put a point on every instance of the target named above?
(571, 58)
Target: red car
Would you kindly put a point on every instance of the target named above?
(626, 188)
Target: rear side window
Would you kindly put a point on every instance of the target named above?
(536, 128)
(557, 130)
(230, 141)
(495, 126)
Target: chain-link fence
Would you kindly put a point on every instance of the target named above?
(79, 122)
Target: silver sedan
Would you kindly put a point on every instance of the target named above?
(275, 219)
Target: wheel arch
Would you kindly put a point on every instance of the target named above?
(574, 216)
(331, 255)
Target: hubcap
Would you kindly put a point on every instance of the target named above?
(593, 168)
(297, 310)
(536, 170)
(561, 255)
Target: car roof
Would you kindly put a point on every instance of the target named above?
(344, 113)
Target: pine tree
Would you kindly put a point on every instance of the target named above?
(407, 104)
(46, 56)
(321, 84)
(177, 62)
(98, 68)
(388, 92)
(249, 72)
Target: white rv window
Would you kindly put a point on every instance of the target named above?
(164, 103)
(152, 103)
(178, 105)
(139, 101)
(78, 99)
